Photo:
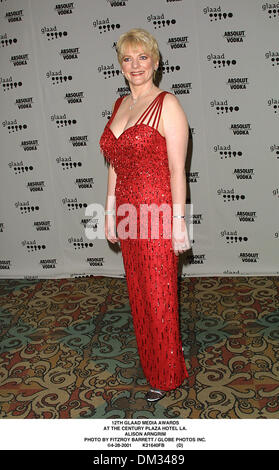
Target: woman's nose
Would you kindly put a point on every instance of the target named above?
(135, 63)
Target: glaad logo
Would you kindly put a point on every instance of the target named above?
(232, 236)
(272, 9)
(246, 216)
(78, 243)
(4, 41)
(159, 21)
(29, 145)
(9, 84)
(220, 61)
(25, 207)
(238, 83)
(64, 8)
(229, 195)
(216, 13)
(20, 59)
(20, 167)
(244, 173)
(57, 77)
(273, 103)
(273, 56)
(275, 148)
(166, 68)
(225, 151)
(62, 121)
(106, 114)
(222, 107)
(13, 126)
(52, 33)
(105, 26)
(108, 71)
(231, 271)
(66, 163)
(13, 16)
(31, 245)
(73, 204)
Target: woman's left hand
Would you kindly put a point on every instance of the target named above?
(180, 237)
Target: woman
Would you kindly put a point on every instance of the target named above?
(145, 142)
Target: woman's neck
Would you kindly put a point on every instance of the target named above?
(142, 90)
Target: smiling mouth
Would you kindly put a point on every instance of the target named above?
(137, 73)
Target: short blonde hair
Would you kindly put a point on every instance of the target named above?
(138, 37)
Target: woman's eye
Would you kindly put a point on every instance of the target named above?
(143, 57)
(126, 59)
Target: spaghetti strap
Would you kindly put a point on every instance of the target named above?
(153, 111)
(116, 106)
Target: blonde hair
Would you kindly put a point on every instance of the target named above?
(138, 37)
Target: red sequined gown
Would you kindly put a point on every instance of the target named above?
(139, 158)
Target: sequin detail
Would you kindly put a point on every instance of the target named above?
(139, 158)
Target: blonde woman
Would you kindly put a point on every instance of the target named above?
(145, 142)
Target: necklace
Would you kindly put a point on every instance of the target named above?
(141, 96)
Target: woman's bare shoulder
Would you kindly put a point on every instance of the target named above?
(172, 107)
(170, 100)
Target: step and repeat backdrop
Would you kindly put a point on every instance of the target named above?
(59, 79)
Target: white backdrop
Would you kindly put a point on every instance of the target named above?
(59, 79)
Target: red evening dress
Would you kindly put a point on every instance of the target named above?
(139, 158)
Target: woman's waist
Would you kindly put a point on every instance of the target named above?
(142, 195)
(133, 173)
(147, 183)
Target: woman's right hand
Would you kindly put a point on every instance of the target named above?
(110, 229)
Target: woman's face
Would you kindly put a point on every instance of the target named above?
(137, 66)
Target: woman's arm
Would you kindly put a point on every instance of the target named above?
(110, 199)
(176, 131)
(110, 230)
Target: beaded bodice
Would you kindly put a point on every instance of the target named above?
(140, 151)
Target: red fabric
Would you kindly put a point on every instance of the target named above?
(139, 157)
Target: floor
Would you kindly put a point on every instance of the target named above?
(68, 350)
